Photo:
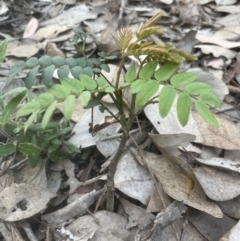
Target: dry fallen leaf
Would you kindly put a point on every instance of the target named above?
(216, 51)
(31, 28)
(174, 176)
(133, 179)
(21, 201)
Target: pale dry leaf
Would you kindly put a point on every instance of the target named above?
(228, 9)
(73, 16)
(169, 143)
(3, 8)
(49, 32)
(231, 19)
(166, 1)
(30, 28)
(225, 2)
(108, 147)
(228, 32)
(156, 204)
(223, 163)
(133, 179)
(218, 41)
(211, 228)
(23, 51)
(76, 208)
(219, 185)
(175, 176)
(216, 51)
(21, 201)
(216, 63)
(231, 207)
(81, 136)
(202, 2)
(219, 137)
(110, 226)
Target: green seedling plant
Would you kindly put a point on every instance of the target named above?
(154, 81)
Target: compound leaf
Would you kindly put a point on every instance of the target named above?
(183, 108)
(146, 92)
(166, 99)
(205, 113)
(182, 79)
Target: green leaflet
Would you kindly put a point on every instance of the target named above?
(45, 99)
(47, 74)
(166, 99)
(210, 99)
(146, 92)
(60, 91)
(63, 72)
(88, 82)
(205, 113)
(102, 83)
(3, 48)
(183, 108)
(7, 149)
(29, 149)
(45, 61)
(182, 79)
(58, 61)
(48, 114)
(74, 85)
(84, 98)
(32, 62)
(166, 71)
(31, 76)
(148, 70)
(105, 67)
(76, 71)
(33, 160)
(10, 107)
(68, 106)
(110, 89)
(28, 108)
(30, 120)
(136, 86)
(131, 74)
(197, 88)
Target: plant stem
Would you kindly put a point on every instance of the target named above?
(111, 172)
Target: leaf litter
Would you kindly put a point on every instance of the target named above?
(196, 165)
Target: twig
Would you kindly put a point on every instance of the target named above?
(26, 227)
